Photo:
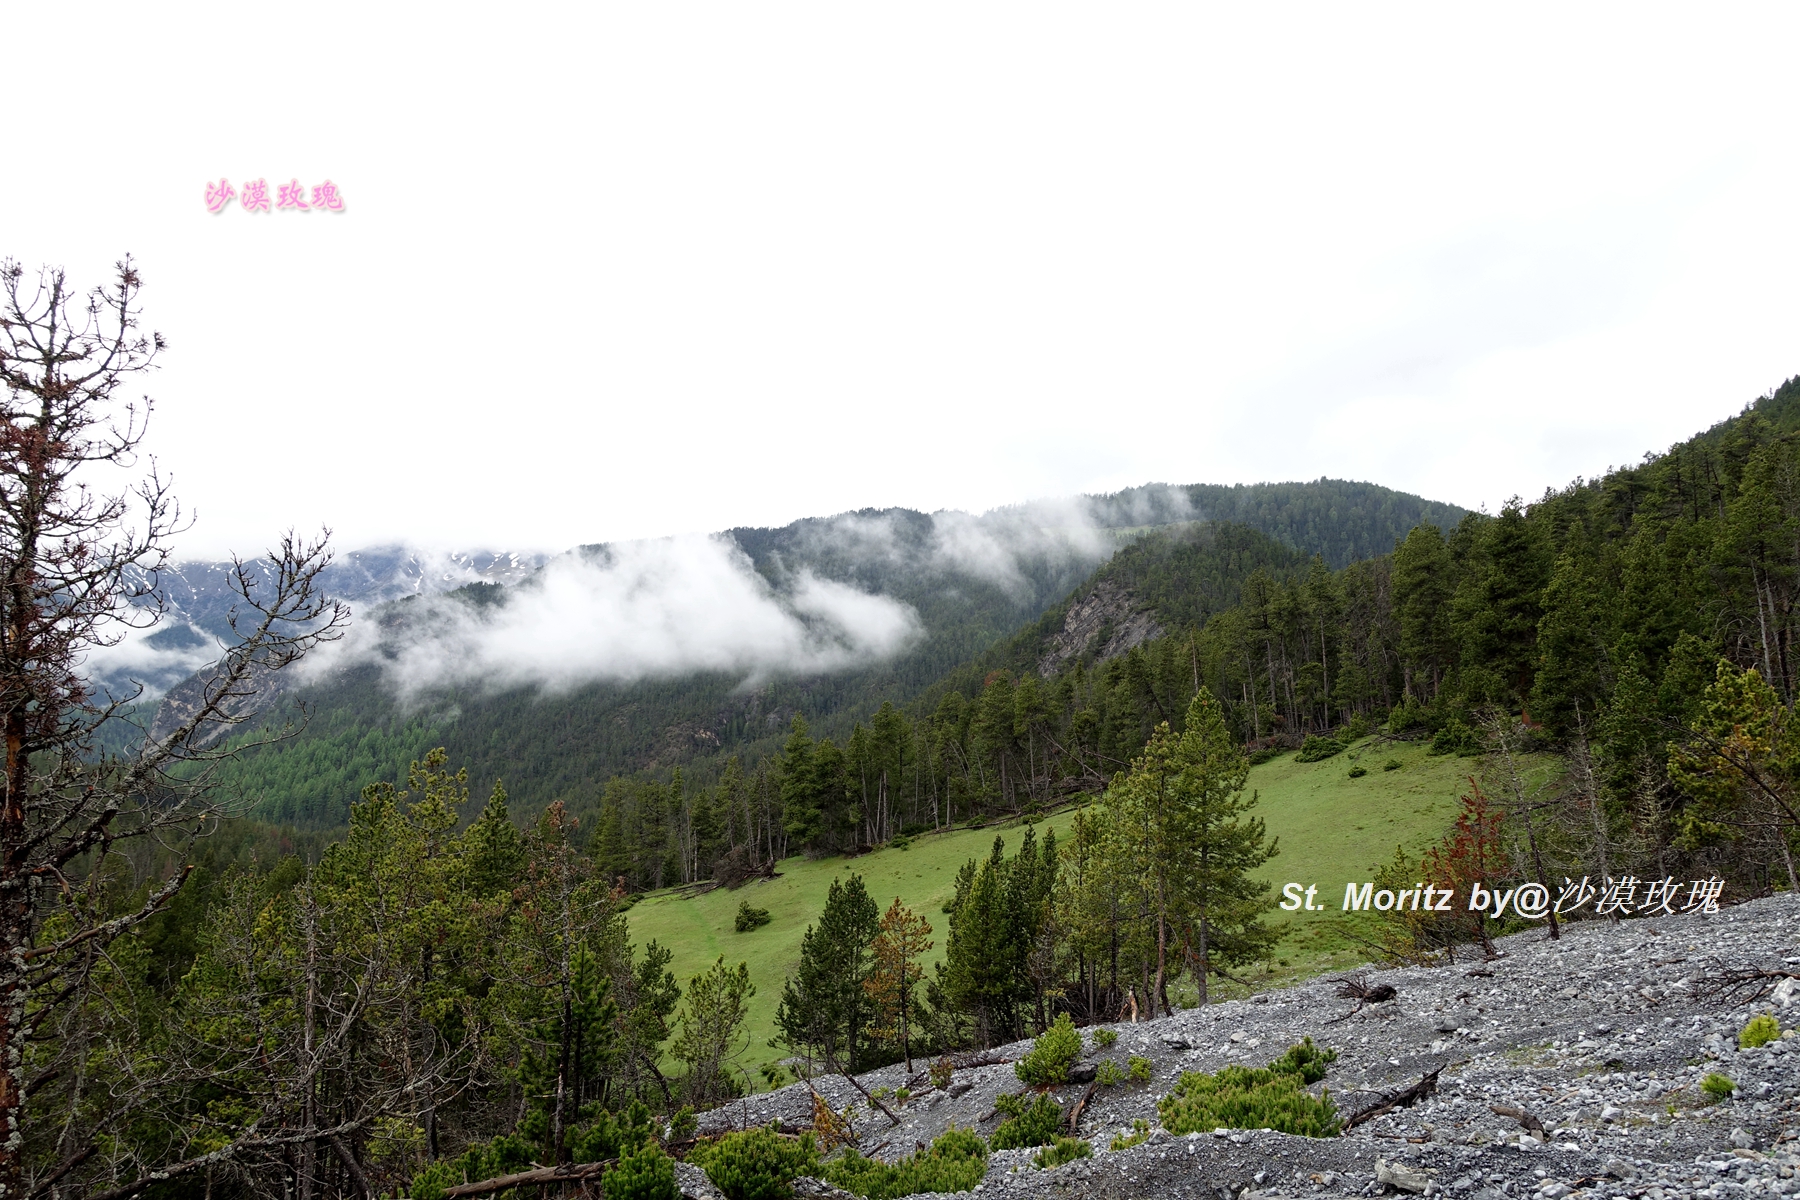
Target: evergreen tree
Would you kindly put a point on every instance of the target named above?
(1423, 583)
(709, 1029)
(800, 808)
(824, 1008)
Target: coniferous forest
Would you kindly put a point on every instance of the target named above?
(443, 991)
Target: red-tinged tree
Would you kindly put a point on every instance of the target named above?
(78, 569)
(1470, 853)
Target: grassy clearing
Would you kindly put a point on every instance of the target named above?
(1333, 830)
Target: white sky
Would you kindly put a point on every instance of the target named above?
(612, 271)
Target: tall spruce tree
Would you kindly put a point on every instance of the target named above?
(824, 1008)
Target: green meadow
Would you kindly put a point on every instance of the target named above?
(1332, 829)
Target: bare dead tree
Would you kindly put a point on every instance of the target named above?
(79, 568)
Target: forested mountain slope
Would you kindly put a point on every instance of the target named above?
(969, 582)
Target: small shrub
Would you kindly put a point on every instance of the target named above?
(1106, 1039)
(1140, 1068)
(1109, 1073)
(1273, 1097)
(1318, 749)
(751, 918)
(941, 1070)
(647, 1174)
(956, 1162)
(1357, 772)
(1051, 1055)
(1247, 1098)
(505, 1155)
(774, 1074)
(1140, 1130)
(1392, 764)
(902, 1095)
(1062, 1150)
(1759, 1032)
(757, 1164)
(900, 843)
(683, 1124)
(1718, 1086)
(1259, 757)
(1026, 1125)
(1455, 738)
(833, 1129)
(1305, 1060)
(613, 1136)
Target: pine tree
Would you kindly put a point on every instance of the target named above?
(1182, 809)
(495, 847)
(709, 1028)
(824, 1008)
(893, 974)
(800, 815)
(1423, 583)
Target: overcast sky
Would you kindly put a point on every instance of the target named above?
(608, 271)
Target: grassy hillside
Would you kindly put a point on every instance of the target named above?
(1332, 828)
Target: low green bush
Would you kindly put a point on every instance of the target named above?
(1062, 1150)
(941, 1071)
(1271, 1097)
(1034, 1124)
(1718, 1086)
(645, 1174)
(1247, 1098)
(505, 1155)
(1306, 1060)
(1455, 738)
(1051, 1055)
(611, 1137)
(1140, 1132)
(1106, 1039)
(955, 1162)
(683, 1124)
(1109, 1073)
(1140, 1068)
(1760, 1031)
(757, 1164)
(1358, 772)
(1269, 754)
(1318, 749)
(1392, 764)
(751, 918)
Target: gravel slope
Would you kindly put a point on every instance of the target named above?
(1602, 1036)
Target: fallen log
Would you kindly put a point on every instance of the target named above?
(1075, 1113)
(1389, 1101)
(538, 1177)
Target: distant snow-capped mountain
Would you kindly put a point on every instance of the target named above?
(200, 597)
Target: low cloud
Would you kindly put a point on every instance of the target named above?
(831, 596)
(659, 608)
(1003, 547)
(154, 659)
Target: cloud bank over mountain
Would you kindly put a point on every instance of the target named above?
(659, 608)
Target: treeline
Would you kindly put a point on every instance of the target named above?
(555, 747)
(1599, 615)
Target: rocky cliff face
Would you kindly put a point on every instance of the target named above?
(1105, 623)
